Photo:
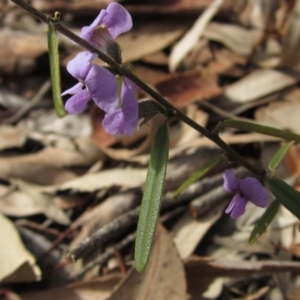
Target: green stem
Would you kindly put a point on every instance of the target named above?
(127, 72)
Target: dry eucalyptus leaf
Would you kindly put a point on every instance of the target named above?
(187, 87)
(129, 178)
(257, 84)
(47, 166)
(149, 37)
(43, 201)
(98, 289)
(188, 231)
(163, 278)
(11, 137)
(234, 37)
(17, 264)
(190, 39)
(17, 204)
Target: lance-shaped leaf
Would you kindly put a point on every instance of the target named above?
(279, 155)
(286, 195)
(151, 201)
(199, 174)
(265, 220)
(253, 127)
(54, 70)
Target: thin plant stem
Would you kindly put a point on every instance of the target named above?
(125, 71)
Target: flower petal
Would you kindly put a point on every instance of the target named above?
(254, 191)
(117, 20)
(77, 103)
(231, 183)
(88, 31)
(130, 84)
(237, 206)
(80, 65)
(125, 119)
(74, 89)
(103, 88)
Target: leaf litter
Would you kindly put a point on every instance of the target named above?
(63, 180)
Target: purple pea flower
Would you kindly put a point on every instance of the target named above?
(106, 27)
(95, 83)
(124, 119)
(248, 189)
(99, 84)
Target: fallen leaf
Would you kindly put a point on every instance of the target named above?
(257, 84)
(163, 278)
(11, 137)
(187, 87)
(43, 201)
(129, 178)
(17, 264)
(98, 289)
(188, 231)
(190, 39)
(149, 37)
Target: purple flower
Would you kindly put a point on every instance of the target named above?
(248, 189)
(107, 26)
(97, 83)
(123, 120)
(94, 83)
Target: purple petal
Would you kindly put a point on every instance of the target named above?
(80, 65)
(88, 31)
(130, 84)
(103, 88)
(254, 191)
(237, 206)
(125, 119)
(77, 103)
(231, 183)
(74, 89)
(117, 19)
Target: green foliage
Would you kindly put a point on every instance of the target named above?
(265, 220)
(54, 70)
(197, 175)
(279, 155)
(286, 195)
(253, 127)
(151, 201)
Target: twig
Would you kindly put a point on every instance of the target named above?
(172, 111)
(121, 224)
(28, 106)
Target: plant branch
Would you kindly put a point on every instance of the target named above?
(127, 72)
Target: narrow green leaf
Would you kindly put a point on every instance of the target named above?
(279, 155)
(197, 175)
(151, 201)
(248, 126)
(54, 70)
(265, 220)
(286, 195)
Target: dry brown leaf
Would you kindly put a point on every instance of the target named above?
(188, 231)
(129, 178)
(283, 114)
(163, 278)
(20, 50)
(98, 289)
(46, 166)
(190, 39)
(234, 37)
(257, 84)
(11, 137)
(17, 264)
(17, 204)
(187, 87)
(149, 37)
(42, 201)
